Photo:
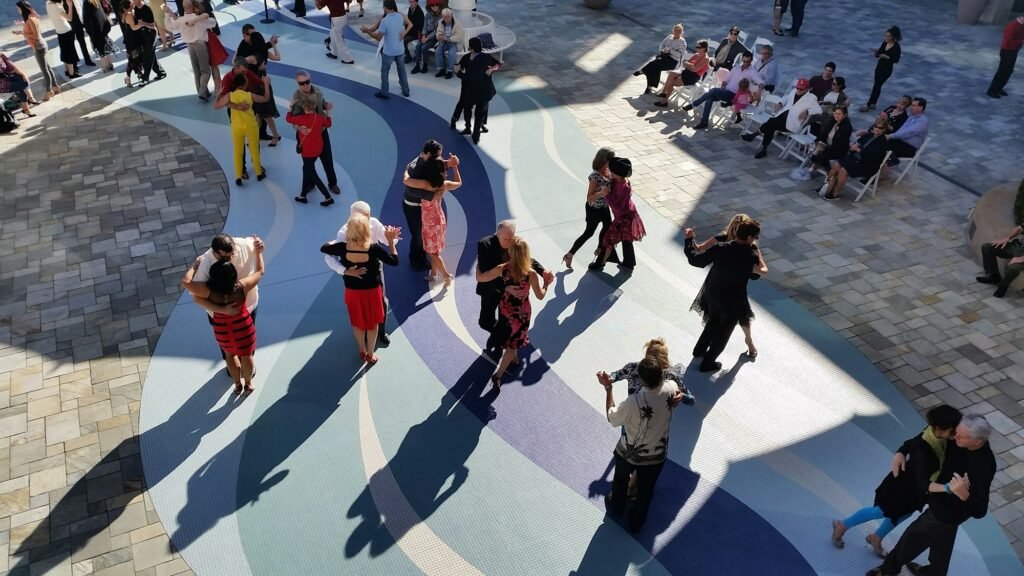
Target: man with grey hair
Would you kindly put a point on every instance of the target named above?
(492, 251)
(376, 235)
(192, 27)
(767, 67)
(306, 88)
(960, 491)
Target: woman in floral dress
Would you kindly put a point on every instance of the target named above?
(627, 226)
(514, 308)
(434, 224)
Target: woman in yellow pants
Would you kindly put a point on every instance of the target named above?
(166, 37)
(244, 125)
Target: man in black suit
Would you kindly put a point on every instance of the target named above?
(725, 290)
(418, 189)
(490, 252)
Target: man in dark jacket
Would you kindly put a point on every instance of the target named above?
(959, 492)
(732, 265)
(418, 189)
(490, 252)
(415, 15)
(475, 69)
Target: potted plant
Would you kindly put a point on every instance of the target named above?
(968, 11)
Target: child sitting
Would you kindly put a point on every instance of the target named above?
(741, 100)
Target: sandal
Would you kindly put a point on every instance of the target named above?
(567, 260)
(274, 141)
(238, 389)
(876, 544)
(751, 350)
(249, 388)
(837, 541)
(371, 359)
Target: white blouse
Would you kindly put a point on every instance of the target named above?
(674, 47)
(55, 10)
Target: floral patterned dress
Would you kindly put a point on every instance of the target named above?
(434, 226)
(515, 311)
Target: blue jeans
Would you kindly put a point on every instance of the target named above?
(449, 48)
(385, 71)
(421, 51)
(873, 513)
(712, 96)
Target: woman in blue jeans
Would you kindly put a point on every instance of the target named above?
(904, 491)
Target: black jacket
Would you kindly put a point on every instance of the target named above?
(840, 145)
(416, 17)
(900, 495)
(477, 85)
(732, 266)
(489, 254)
(980, 467)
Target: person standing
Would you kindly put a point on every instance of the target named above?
(193, 27)
(131, 33)
(339, 21)
(725, 289)
(645, 418)
(1013, 39)
(959, 492)
(97, 25)
(390, 32)
(305, 87)
(597, 210)
(475, 69)
(74, 9)
(34, 38)
(435, 227)
(627, 227)
(61, 22)
(244, 127)
(796, 8)
(312, 125)
(418, 189)
(147, 36)
(888, 54)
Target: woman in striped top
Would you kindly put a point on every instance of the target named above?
(235, 332)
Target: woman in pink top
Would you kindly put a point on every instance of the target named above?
(690, 73)
(34, 38)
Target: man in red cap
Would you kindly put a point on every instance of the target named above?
(798, 107)
(1013, 39)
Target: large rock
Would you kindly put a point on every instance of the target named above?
(991, 219)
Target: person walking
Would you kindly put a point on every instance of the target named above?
(475, 69)
(34, 38)
(1013, 39)
(337, 48)
(362, 258)
(244, 127)
(700, 304)
(599, 185)
(519, 278)
(627, 227)
(194, 27)
(312, 125)
(390, 32)
(645, 418)
(435, 227)
(723, 298)
(61, 22)
(306, 88)
(904, 491)
(418, 189)
(131, 35)
(959, 492)
(147, 36)
(888, 54)
(377, 234)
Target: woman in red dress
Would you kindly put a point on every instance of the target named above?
(362, 258)
(434, 224)
(520, 278)
(235, 333)
(627, 226)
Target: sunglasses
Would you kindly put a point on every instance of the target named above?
(304, 82)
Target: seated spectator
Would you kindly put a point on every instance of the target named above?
(670, 54)
(822, 84)
(691, 71)
(796, 111)
(729, 49)
(833, 139)
(728, 90)
(835, 97)
(16, 82)
(897, 114)
(741, 100)
(905, 141)
(863, 161)
(767, 67)
(1012, 247)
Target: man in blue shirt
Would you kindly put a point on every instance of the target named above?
(391, 32)
(905, 141)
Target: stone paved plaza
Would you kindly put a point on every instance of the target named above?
(103, 205)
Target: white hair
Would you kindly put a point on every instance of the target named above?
(446, 12)
(979, 428)
(360, 207)
(507, 225)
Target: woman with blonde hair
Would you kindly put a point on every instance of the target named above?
(599, 184)
(728, 235)
(364, 297)
(514, 308)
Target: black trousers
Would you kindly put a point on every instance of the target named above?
(311, 179)
(479, 117)
(796, 8)
(882, 73)
(925, 532)
(465, 110)
(327, 161)
(595, 216)
(717, 331)
(646, 478)
(989, 255)
(300, 8)
(901, 149)
(414, 218)
(491, 321)
(654, 68)
(79, 30)
(1007, 60)
(773, 125)
(149, 62)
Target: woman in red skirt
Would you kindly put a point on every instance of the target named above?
(235, 332)
(627, 226)
(363, 296)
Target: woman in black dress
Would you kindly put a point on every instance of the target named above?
(132, 44)
(863, 161)
(97, 26)
(264, 51)
(887, 54)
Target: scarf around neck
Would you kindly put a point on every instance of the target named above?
(938, 446)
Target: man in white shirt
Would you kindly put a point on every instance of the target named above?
(192, 27)
(241, 253)
(645, 418)
(376, 235)
(728, 89)
(800, 105)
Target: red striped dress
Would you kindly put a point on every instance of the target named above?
(235, 334)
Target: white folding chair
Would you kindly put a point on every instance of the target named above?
(742, 37)
(912, 164)
(759, 42)
(872, 184)
(799, 144)
(765, 110)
